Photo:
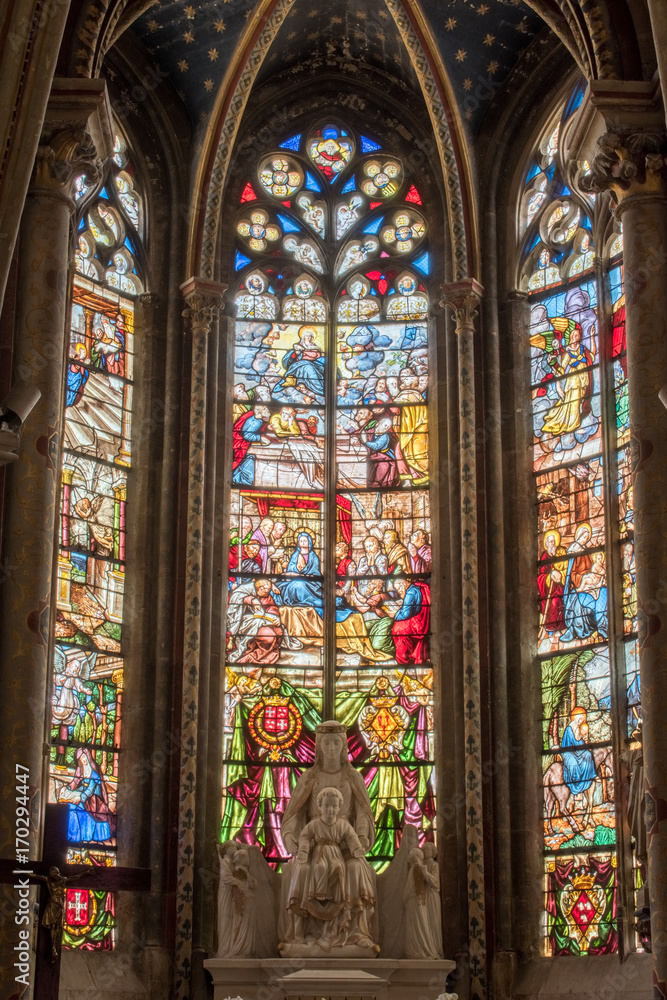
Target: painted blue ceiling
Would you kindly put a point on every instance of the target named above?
(479, 43)
(192, 41)
(345, 35)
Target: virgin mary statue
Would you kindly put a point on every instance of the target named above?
(332, 768)
(349, 926)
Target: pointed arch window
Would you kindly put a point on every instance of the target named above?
(330, 547)
(572, 269)
(97, 454)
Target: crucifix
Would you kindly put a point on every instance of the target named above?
(55, 877)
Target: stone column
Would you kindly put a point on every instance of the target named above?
(630, 163)
(463, 299)
(658, 13)
(33, 34)
(203, 300)
(77, 133)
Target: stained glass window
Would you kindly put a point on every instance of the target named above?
(89, 642)
(330, 546)
(585, 594)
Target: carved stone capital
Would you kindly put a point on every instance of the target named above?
(463, 298)
(64, 155)
(204, 300)
(629, 161)
(76, 138)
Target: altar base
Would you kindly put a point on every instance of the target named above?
(328, 979)
(305, 949)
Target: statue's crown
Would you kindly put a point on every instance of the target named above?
(330, 727)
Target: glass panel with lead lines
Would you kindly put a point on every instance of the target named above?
(87, 680)
(575, 590)
(332, 262)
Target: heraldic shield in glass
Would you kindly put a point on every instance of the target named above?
(330, 533)
(585, 594)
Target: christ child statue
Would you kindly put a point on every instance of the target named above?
(320, 882)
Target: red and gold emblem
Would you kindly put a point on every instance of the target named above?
(275, 723)
(384, 722)
(80, 911)
(583, 905)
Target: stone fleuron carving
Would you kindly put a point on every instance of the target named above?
(628, 161)
(236, 903)
(328, 905)
(421, 901)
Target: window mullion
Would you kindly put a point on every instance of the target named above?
(615, 609)
(329, 548)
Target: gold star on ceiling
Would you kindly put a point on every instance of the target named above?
(213, 54)
(450, 23)
(208, 85)
(492, 67)
(383, 14)
(188, 36)
(312, 35)
(153, 25)
(189, 13)
(312, 13)
(380, 35)
(469, 113)
(362, 15)
(467, 83)
(460, 55)
(483, 8)
(522, 26)
(219, 26)
(336, 20)
(489, 39)
(291, 36)
(182, 65)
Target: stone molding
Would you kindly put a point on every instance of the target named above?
(464, 298)
(203, 302)
(462, 240)
(234, 113)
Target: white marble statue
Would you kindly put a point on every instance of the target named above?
(330, 896)
(421, 901)
(433, 895)
(236, 903)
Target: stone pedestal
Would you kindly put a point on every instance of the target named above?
(278, 978)
(332, 983)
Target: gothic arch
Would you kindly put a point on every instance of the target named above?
(602, 38)
(233, 98)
